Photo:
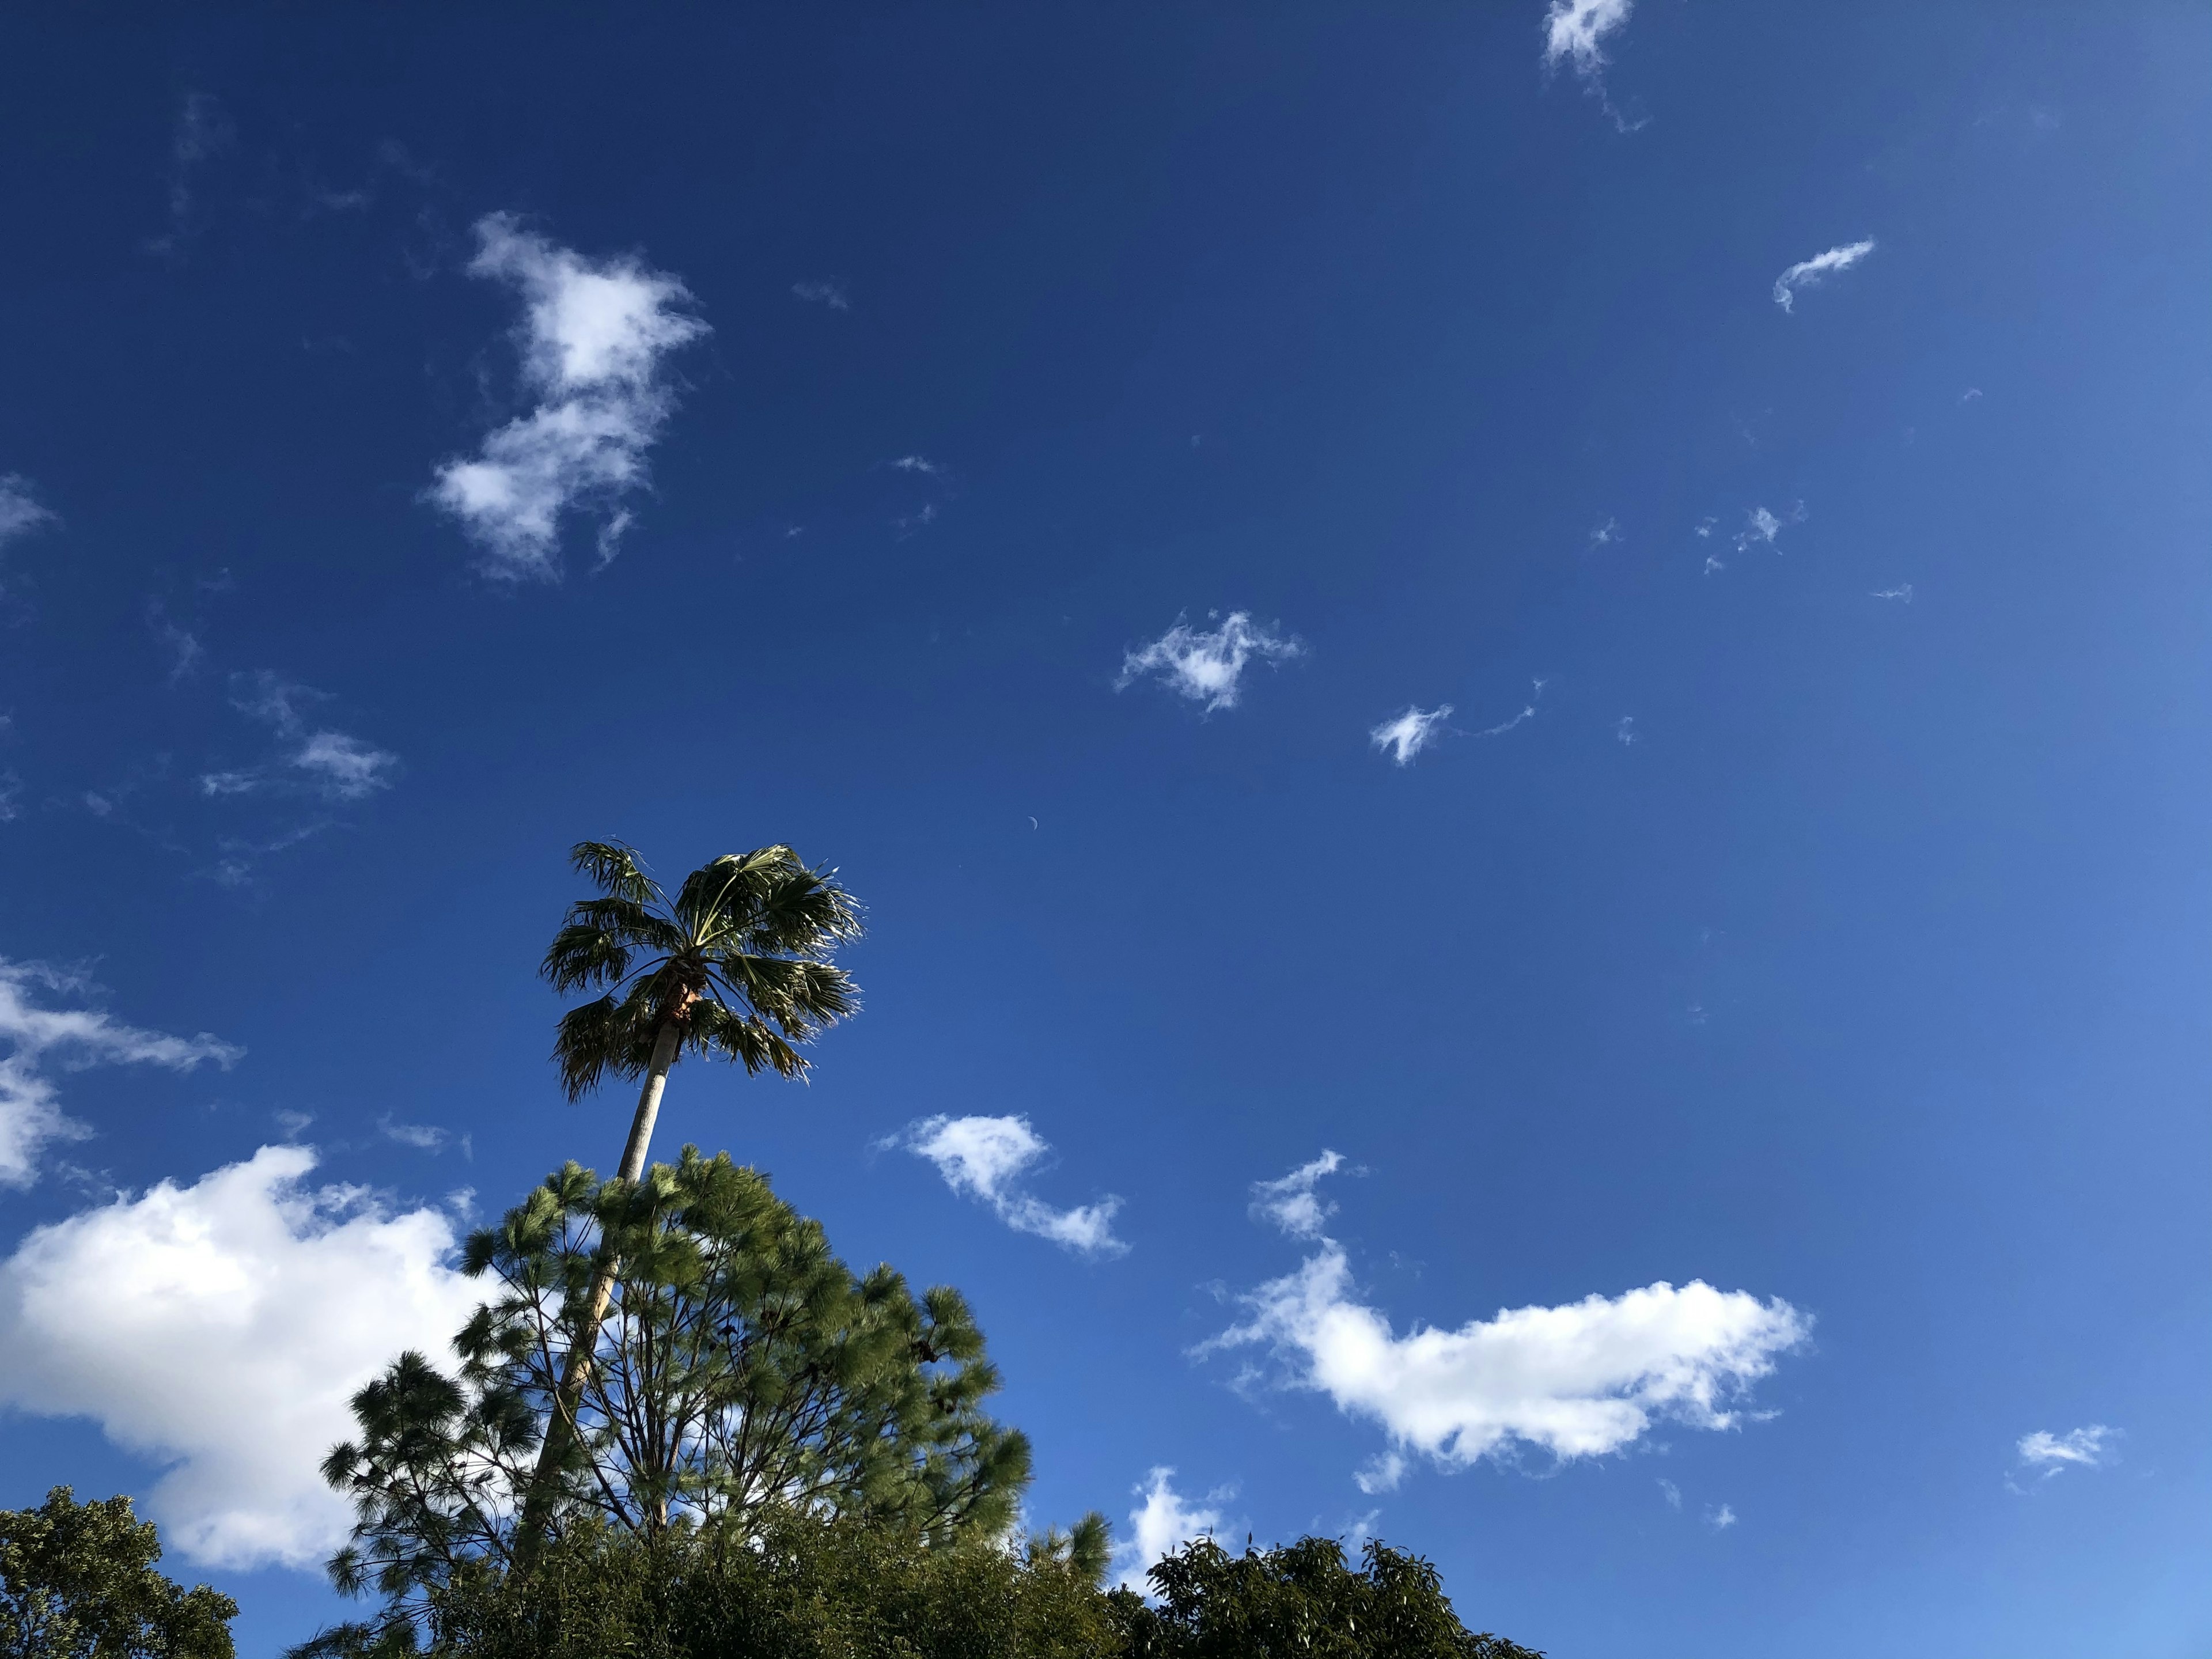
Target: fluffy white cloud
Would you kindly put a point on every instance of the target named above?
(1407, 734)
(1292, 1203)
(2046, 1454)
(220, 1329)
(1574, 29)
(1810, 273)
(1577, 1381)
(73, 1038)
(986, 1157)
(594, 338)
(20, 511)
(1164, 1521)
(1206, 665)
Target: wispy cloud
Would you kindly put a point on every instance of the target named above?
(202, 132)
(920, 464)
(40, 1035)
(337, 764)
(987, 1158)
(1811, 273)
(1163, 1523)
(1606, 533)
(1761, 526)
(1207, 665)
(1581, 1379)
(1404, 736)
(344, 767)
(595, 337)
(1672, 1492)
(1575, 32)
(1291, 1201)
(2046, 1456)
(823, 291)
(1528, 712)
(1720, 1518)
(1624, 732)
(1903, 592)
(423, 1137)
(21, 512)
(182, 646)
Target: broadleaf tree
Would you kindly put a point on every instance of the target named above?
(77, 1581)
(740, 1370)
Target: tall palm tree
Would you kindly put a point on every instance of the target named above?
(736, 965)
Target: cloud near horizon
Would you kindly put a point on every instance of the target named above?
(220, 1329)
(986, 1159)
(1163, 1523)
(1207, 665)
(1582, 1380)
(594, 336)
(31, 1116)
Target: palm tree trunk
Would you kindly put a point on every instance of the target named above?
(560, 1431)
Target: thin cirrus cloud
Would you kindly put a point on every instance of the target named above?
(1404, 736)
(823, 291)
(21, 510)
(1206, 665)
(40, 1036)
(1762, 526)
(220, 1329)
(335, 765)
(1811, 273)
(988, 1158)
(595, 337)
(2046, 1456)
(1585, 1379)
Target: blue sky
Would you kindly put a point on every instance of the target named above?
(1766, 1081)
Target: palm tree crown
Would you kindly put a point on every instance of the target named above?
(736, 965)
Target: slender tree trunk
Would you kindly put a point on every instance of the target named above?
(560, 1431)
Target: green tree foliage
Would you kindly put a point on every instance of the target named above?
(77, 1581)
(1302, 1599)
(803, 1588)
(741, 1371)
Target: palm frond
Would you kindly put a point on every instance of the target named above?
(613, 864)
(716, 1028)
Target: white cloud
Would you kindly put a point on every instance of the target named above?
(1606, 533)
(344, 766)
(1292, 1203)
(2047, 1455)
(423, 1137)
(1407, 734)
(1720, 1518)
(74, 1039)
(1582, 1380)
(20, 511)
(986, 1157)
(1381, 1473)
(1163, 1523)
(1903, 591)
(11, 796)
(1810, 273)
(1761, 526)
(824, 292)
(594, 336)
(1624, 732)
(1208, 667)
(220, 1329)
(1574, 31)
(920, 464)
(1672, 1492)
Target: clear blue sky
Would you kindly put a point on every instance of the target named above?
(1833, 935)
